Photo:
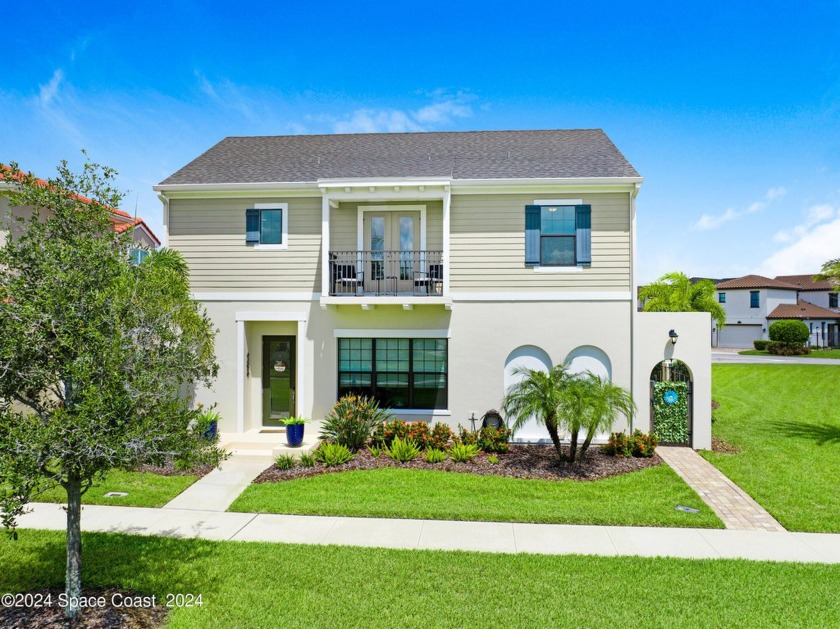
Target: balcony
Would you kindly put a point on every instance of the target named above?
(396, 274)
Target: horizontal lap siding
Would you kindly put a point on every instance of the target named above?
(210, 233)
(488, 246)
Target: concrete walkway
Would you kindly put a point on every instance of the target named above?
(496, 537)
(217, 490)
(731, 503)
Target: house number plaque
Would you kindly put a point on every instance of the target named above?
(280, 366)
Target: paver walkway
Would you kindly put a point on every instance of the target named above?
(731, 503)
(498, 537)
(217, 490)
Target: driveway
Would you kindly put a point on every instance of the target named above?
(732, 356)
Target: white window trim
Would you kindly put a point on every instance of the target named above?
(558, 269)
(284, 237)
(360, 233)
(392, 334)
(558, 201)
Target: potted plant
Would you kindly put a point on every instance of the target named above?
(210, 422)
(294, 431)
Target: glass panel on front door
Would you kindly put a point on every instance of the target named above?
(278, 379)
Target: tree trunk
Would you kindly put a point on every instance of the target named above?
(555, 437)
(573, 445)
(589, 436)
(73, 576)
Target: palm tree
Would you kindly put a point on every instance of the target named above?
(830, 272)
(538, 394)
(606, 400)
(674, 292)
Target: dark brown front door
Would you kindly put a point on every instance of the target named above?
(278, 379)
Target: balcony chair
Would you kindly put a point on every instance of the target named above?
(430, 281)
(345, 276)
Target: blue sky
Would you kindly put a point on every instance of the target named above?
(731, 111)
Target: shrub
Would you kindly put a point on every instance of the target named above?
(385, 433)
(789, 331)
(307, 460)
(493, 439)
(403, 451)
(638, 444)
(433, 455)
(463, 452)
(465, 437)
(332, 454)
(352, 421)
(285, 462)
(493, 459)
(375, 451)
(779, 348)
(440, 437)
(643, 445)
(760, 344)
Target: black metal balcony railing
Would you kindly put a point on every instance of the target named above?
(366, 273)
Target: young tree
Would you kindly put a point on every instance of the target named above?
(96, 354)
(830, 272)
(674, 292)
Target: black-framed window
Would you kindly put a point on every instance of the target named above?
(264, 226)
(400, 373)
(721, 298)
(832, 300)
(754, 299)
(558, 235)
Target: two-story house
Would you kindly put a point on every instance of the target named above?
(418, 268)
(753, 302)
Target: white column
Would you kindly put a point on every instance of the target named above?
(447, 197)
(325, 245)
(300, 378)
(240, 376)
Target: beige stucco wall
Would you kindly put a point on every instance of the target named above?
(653, 345)
(482, 336)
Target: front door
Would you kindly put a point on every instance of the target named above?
(278, 379)
(393, 239)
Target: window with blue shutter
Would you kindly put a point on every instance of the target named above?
(252, 226)
(558, 235)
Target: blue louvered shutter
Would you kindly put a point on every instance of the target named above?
(532, 235)
(252, 226)
(583, 235)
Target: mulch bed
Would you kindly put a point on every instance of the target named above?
(521, 461)
(719, 445)
(105, 617)
(169, 469)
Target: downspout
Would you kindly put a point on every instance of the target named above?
(633, 292)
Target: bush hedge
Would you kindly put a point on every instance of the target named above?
(637, 445)
(791, 331)
(787, 349)
(760, 344)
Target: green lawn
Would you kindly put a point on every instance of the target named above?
(144, 490)
(817, 353)
(786, 420)
(280, 585)
(643, 498)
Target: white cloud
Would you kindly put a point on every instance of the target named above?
(47, 92)
(815, 215)
(442, 112)
(807, 254)
(711, 221)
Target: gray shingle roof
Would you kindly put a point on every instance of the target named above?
(458, 155)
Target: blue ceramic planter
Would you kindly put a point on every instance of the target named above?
(211, 431)
(294, 435)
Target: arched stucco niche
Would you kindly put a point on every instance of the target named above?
(590, 358)
(529, 357)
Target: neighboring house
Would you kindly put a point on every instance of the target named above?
(753, 302)
(122, 220)
(419, 268)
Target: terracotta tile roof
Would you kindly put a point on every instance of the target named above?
(805, 282)
(553, 153)
(802, 310)
(755, 281)
(120, 226)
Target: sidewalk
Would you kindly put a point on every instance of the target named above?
(217, 490)
(497, 537)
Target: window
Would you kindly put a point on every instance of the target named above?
(398, 373)
(753, 299)
(721, 298)
(832, 300)
(138, 255)
(266, 226)
(558, 235)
